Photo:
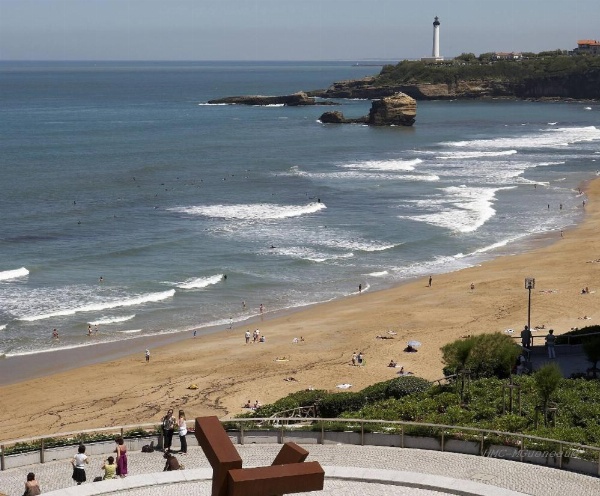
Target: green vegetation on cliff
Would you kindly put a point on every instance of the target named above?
(468, 67)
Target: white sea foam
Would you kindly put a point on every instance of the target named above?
(2, 327)
(94, 342)
(384, 165)
(271, 105)
(213, 104)
(457, 155)
(357, 174)
(112, 320)
(131, 331)
(460, 208)
(305, 253)
(499, 244)
(94, 307)
(13, 274)
(379, 274)
(547, 138)
(252, 211)
(200, 282)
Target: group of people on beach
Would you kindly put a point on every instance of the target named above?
(256, 337)
(252, 406)
(358, 359)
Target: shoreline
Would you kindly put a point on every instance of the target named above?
(22, 368)
(120, 388)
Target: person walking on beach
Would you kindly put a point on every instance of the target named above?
(247, 336)
(147, 355)
(550, 341)
(121, 452)
(360, 288)
(79, 462)
(182, 432)
(168, 427)
(430, 279)
(32, 488)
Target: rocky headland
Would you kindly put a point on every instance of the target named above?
(396, 110)
(369, 88)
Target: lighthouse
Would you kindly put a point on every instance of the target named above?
(435, 52)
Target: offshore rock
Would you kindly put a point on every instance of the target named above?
(294, 100)
(396, 110)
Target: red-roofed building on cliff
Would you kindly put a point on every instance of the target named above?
(588, 47)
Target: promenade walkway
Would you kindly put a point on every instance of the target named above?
(350, 470)
(570, 359)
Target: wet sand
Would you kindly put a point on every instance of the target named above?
(127, 390)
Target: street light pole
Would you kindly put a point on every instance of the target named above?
(529, 285)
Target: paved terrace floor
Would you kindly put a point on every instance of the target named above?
(365, 460)
(570, 359)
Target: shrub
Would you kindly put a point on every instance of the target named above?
(289, 402)
(405, 385)
(376, 392)
(332, 405)
(591, 347)
(486, 355)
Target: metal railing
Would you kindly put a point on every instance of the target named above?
(444, 433)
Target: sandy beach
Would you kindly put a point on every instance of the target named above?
(229, 372)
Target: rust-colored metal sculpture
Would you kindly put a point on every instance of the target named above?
(288, 473)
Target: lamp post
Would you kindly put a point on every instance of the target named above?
(529, 285)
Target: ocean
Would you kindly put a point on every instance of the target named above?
(132, 206)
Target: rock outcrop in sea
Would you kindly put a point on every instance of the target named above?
(294, 100)
(395, 110)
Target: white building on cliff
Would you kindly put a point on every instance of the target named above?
(435, 52)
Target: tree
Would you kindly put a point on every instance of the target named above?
(466, 57)
(547, 379)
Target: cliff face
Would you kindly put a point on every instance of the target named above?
(396, 110)
(587, 87)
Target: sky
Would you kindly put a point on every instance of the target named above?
(287, 29)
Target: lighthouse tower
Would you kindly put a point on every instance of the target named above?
(435, 52)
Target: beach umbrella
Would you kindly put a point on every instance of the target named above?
(414, 344)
